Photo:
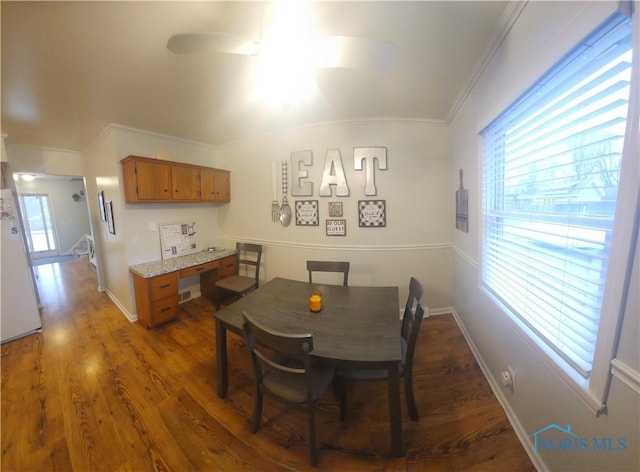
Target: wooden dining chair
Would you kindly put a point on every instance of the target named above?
(329, 266)
(248, 256)
(283, 370)
(410, 328)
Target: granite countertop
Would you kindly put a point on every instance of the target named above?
(153, 268)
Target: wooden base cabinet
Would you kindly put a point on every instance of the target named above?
(156, 298)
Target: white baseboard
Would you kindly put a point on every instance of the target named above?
(497, 389)
(441, 311)
(130, 316)
(431, 311)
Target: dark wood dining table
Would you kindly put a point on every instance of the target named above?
(357, 327)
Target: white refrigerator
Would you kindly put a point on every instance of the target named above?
(19, 315)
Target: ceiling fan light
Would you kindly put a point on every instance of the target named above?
(286, 64)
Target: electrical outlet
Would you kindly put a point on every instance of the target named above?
(512, 372)
(509, 377)
(506, 378)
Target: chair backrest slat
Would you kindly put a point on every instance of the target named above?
(250, 255)
(288, 345)
(329, 266)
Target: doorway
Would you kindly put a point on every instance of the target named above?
(39, 225)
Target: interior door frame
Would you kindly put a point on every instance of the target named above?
(52, 220)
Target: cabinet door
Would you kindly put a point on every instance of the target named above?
(153, 180)
(222, 186)
(185, 182)
(207, 185)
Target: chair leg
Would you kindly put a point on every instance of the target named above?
(312, 435)
(257, 411)
(411, 400)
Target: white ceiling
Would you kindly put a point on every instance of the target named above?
(71, 68)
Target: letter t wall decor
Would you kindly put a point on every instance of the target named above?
(370, 155)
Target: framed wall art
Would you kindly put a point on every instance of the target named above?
(103, 215)
(306, 212)
(336, 227)
(335, 209)
(372, 213)
(110, 223)
(462, 206)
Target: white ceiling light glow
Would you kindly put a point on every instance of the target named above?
(288, 57)
(288, 52)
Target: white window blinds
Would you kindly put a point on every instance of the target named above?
(551, 165)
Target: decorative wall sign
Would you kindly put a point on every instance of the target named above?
(336, 227)
(372, 213)
(103, 215)
(335, 209)
(370, 155)
(462, 207)
(301, 159)
(333, 174)
(110, 223)
(306, 212)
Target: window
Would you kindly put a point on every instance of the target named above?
(551, 166)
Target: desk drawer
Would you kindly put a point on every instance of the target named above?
(162, 286)
(195, 270)
(163, 310)
(227, 266)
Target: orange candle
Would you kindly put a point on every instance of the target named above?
(315, 302)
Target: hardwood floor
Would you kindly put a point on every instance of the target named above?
(95, 392)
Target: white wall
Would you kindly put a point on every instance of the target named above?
(544, 32)
(134, 242)
(415, 188)
(25, 158)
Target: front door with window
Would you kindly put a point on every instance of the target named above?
(40, 231)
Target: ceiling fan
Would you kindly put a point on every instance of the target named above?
(349, 52)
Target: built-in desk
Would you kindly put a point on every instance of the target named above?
(156, 283)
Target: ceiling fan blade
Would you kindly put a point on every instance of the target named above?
(189, 43)
(353, 52)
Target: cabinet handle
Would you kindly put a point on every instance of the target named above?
(165, 285)
(166, 308)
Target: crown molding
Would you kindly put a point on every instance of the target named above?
(508, 19)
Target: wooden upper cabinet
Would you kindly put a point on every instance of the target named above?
(185, 181)
(215, 185)
(149, 180)
(146, 180)
(208, 185)
(222, 186)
